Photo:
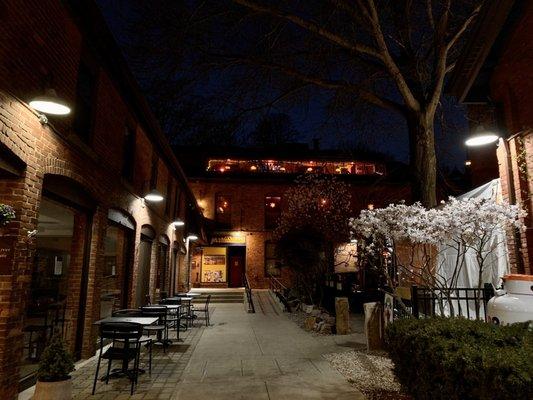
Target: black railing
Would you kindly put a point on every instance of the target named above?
(281, 291)
(248, 290)
(470, 303)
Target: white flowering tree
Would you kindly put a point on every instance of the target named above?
(313, 222)
(416, 241)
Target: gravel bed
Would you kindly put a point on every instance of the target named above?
(371, 373)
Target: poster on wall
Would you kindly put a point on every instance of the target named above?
(346, 258)
(214, 265)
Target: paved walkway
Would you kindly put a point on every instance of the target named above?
(262, 356)
(240, 356)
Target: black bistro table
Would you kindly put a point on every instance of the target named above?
(144, 321)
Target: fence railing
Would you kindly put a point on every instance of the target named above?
(470, 303)
(249, 298)
(280, 290)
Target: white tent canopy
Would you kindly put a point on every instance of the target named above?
(497, 263)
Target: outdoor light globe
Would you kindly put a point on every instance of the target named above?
(480, 140)
(50, 104)
(154, 196)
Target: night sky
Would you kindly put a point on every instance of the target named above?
(311, 119)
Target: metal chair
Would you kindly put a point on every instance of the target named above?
(205, 309)
(148, 299)
(146, 340)
(129, 335)
(173, 316)
(161, 329)
(135, 312)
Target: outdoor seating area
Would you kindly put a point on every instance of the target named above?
(131, 336)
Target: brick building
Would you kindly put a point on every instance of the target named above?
(84, 239)
(241, 193)
(494, 78)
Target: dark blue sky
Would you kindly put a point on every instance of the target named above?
(380, 130)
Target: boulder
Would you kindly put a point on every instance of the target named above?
(373, 326)
(326, 329)
(342, 311)
(315, 312)
(309, 323)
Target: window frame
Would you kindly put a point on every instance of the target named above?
(227, 222)
(267, 258)
(268, 223)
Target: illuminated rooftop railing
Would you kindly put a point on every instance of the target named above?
(295, 167)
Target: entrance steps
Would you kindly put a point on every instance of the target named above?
(220, 295)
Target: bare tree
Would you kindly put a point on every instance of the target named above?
(394, 55)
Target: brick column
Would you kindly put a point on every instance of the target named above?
(94, 282)
(15, 276)
(516, 171)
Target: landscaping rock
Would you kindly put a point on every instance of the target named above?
(373, 326)
(342, 311)
(309, 324)
(326, 329)
(315, 312)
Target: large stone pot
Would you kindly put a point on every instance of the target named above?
(515, 304)
(60, 390)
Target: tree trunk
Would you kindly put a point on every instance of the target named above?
(422, 158)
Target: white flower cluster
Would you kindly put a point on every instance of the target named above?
(470, 220)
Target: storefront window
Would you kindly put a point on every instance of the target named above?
(115, 272)
(272, 211)
(272, 263)
(57, 266)
(214, 265)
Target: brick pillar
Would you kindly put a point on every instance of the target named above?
(15, 275)
(74, 279)
(94, 282)
(154, 258)
(516, 172)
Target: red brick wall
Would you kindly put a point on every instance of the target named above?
(512, 87)
(248, 212)
(520, 157)
(39, 39)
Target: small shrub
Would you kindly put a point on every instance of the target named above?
(460, 359)
(56, 363)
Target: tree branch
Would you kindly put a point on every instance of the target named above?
(391, 66)
(463, 27)
(312, 27)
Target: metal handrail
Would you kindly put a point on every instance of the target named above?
(248, 289)
(276, 285)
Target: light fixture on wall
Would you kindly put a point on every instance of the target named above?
(192, 237)
(50, 103)
(178, 223)
(481, 137)
(154, 196)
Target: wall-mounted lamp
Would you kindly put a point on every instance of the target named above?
(481, 136)
(154, 195)
(192, 237)
(50, 103)
(178, 223)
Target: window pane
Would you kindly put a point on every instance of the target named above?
(272, 211)
(223, 211)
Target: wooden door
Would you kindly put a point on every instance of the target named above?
(236, 267)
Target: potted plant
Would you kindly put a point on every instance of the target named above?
(53, 379)
(6, 214)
